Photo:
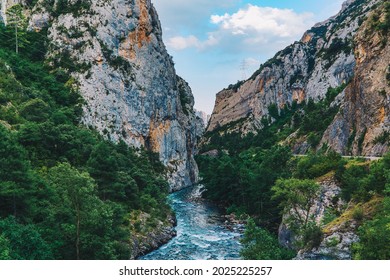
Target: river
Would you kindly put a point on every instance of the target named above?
(201, 234)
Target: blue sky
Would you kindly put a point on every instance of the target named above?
(210, 41)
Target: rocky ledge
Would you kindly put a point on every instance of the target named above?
(147, 238)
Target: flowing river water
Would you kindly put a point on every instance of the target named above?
(201, 233)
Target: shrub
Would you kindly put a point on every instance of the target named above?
(374, 236)
(358, 213)
(260, 244)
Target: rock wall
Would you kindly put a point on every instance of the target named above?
(115, 53)
(363, 122)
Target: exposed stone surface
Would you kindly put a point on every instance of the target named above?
(115, 53)
(328, 198)
(330, 54)
(145, 240)
(339, 233)
(365, 111)
(336, 245)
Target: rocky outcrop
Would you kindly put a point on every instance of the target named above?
(362, 127)
(115, 53)
(338, 221)
(336, 244)
(340, 234)
(340, 50)
(145, 238)
(328, 198)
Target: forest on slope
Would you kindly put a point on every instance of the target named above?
(317, 206)
(65, 192)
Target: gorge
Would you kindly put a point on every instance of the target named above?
(97, 130)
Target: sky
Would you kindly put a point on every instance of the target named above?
(215, 43)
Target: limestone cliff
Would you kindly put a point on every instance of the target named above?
(115, 53)
(337, 51)
(363, 124)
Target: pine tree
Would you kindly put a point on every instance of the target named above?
(17, 23)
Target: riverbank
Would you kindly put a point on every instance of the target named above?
(146, 239)
(201, 231)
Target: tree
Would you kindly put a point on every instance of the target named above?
(296, 198)
(17, 21)
(374, 236)
(102, 165)
(259, 244)
(4, 248)
(22, 242)
(16, 182)
(76, 190)
(85, 222)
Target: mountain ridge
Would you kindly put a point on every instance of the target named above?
(323, 59)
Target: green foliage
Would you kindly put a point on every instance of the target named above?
(259, 244)
(362, 181)
(16, 179)
(374, 236)
(332, 93)
(74, 7)
(296, 198)
(65, 192)
(236, 86)
(244, 181)
(338, 45)
(376, 23)
(35, 110)
(17, 22)
(298, 195)
(318, 116)
(86, 229)
(311, 236)
(316, 165)
(273, 62)
(358, 214)
(383, 138)
(329, 216)
(4, 248)
(22, 242)
(273, 111)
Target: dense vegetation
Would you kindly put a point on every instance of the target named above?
(65, 192)
(256, 175)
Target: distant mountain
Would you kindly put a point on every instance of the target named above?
(343, 63)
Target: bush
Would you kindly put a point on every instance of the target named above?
(358, 214)
(316, 165)
(260, 244)
(374, 236)
(311, 236)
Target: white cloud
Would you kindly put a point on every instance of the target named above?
(251, 27)
(190, 14)
(259, 21)
(180, 43)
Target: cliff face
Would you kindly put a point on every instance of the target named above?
(362, 126)
(330, 54)
(114, 51)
